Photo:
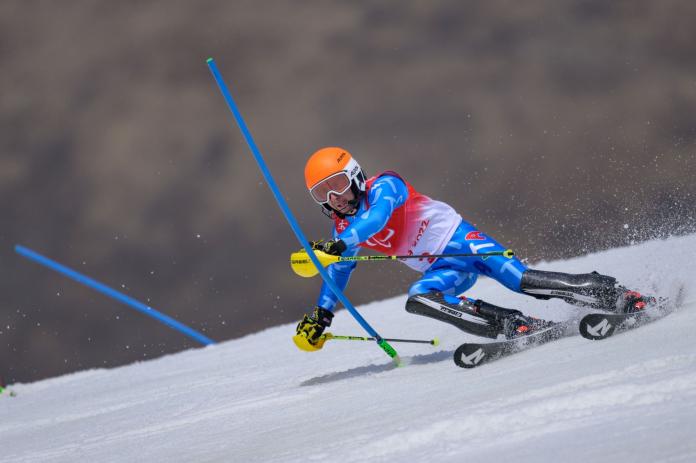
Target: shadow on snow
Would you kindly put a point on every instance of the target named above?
(374, 369)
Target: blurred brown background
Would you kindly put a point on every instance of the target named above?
(560, 127)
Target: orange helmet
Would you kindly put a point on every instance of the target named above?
(333, 170)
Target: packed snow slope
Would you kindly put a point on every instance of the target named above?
(628, 398)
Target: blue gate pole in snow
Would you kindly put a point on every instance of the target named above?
(288, 214)
(149, 311)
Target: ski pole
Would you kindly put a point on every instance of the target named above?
(294, 225)
(112, 293)
(328, 336)
(303, 266)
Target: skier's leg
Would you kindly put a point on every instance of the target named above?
(446, 280)
(590, 289)
(467, 239)
(433, 296)
(477, 317)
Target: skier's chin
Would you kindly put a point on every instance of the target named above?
(347, 210)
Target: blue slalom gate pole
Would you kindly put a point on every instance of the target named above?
(288, 214)
(139, 306)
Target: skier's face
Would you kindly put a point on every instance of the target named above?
(342, 203)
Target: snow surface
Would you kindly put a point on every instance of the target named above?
(629, 398)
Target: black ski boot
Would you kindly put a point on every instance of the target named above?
(479, 317)
(462, 315)
(513, 323)
(521, 325)
(587, 289)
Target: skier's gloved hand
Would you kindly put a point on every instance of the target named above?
(310, 329)
(333, 247)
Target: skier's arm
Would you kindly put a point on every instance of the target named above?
(387, 193)
(340, 273)
(309, 331)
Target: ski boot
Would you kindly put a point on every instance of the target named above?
(463, 314)
(588, 290)
(512, 323)
(517, 325)
(475, 317)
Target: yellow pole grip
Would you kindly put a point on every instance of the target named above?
(302, 265)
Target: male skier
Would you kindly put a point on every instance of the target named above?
(386, 214)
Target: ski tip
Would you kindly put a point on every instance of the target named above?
(435, 342)
(209, 60)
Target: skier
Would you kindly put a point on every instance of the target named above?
(386, 214)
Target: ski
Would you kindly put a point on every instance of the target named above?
(597, 326)
(471, 355)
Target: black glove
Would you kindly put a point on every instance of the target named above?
(312, 326)
(333, 247)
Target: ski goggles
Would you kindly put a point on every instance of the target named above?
(337, 184)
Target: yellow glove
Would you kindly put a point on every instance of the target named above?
(310, 329)
(331, 247)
